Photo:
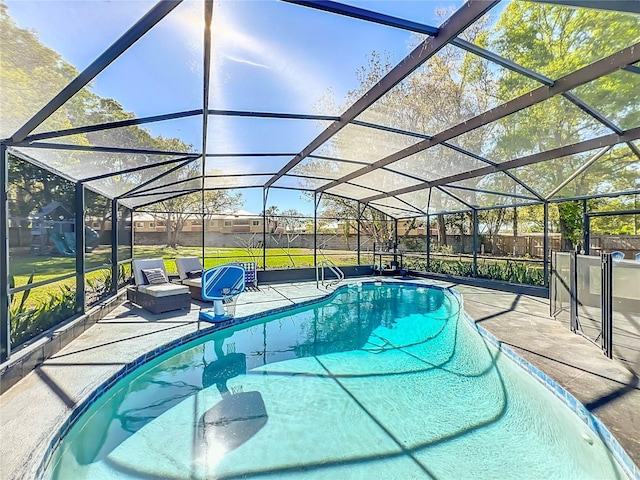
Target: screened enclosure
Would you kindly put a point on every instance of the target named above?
(472, 138)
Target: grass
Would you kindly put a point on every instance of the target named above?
(276, 257)
(22, 264)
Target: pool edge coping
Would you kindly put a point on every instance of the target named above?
(619, 454)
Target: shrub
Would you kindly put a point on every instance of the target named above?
(26, 322)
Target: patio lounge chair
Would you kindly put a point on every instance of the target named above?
(153, 290)
(617, 256)
(190, 272)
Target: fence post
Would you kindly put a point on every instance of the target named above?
(606, 302)
(573, 290)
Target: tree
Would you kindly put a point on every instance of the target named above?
(287, 227)
(32, 187)
(177, 210)
(271, 214)
(449, 88)
(555, 40)
(32, 74)
(373, 223)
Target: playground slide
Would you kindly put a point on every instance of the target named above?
(91, 238)
(61, 245)
(66, 244)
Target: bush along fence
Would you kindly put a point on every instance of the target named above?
(514, 270)
(31, 317)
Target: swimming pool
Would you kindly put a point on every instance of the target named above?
(379, 381)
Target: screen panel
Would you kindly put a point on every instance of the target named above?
(306, 62)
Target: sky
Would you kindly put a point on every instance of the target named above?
(267, 56)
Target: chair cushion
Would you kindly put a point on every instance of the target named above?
(163, 289)
(187, 264)
(194, 274)
(155, 276)
(192, 282)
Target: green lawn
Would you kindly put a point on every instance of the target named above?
(22, 264)
(276, 257)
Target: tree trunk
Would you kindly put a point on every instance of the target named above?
(442, 230)
(567, 244)
(169, 227)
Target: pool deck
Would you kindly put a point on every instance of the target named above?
(33, 410)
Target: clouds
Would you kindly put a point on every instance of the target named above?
(282, 77)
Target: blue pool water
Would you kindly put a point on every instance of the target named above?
(377, 382)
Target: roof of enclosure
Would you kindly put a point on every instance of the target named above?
(410, 107)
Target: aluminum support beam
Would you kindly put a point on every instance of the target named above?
(586, 233)
(606, 303)
(491, 192)
(575, 174)
(600, 195)
(585, 146)
(114, 245)
(104, 149)
(110, 125)
(508, 64)
(80, 244)
(584, 75)
(206, 61)
(315, 230)
(589, 110)
(284, 116)
(609, 213)
(151, 18)
(179, 194)
(475, 241)
(367, 15)
(242, 155)
(455, 197)
(160, 189)
(135, 169)
(573, 292)
(428, 243)
(359, 238)
(265, 195)
(545, 244)
(5, 321)
(457, 23)
(634, 149)
(503, 62)
(444, 144)
(38, 163)
(158, 177)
